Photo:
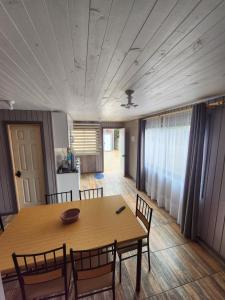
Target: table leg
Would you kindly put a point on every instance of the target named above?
(2, 293)
(139, 257)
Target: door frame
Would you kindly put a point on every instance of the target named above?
(6, 127)
(125, 141)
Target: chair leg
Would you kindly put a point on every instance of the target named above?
(113, 291)
(149, 263)
(120, 268)
(67, 293)
(23, 293)
(1, 224)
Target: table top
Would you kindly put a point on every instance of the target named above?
(39, 228)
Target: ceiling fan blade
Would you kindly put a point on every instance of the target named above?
(123, 105)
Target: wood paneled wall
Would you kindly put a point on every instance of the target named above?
(90, 163)
(8, 202)
(112, 124)
(212, 205)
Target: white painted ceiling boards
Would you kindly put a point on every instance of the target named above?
(81, 55)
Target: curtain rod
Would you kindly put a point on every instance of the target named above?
(219, 102)
(167, 112)
(210, 102)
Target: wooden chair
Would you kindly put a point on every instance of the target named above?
(44, 275)
(91, 193)
(7, 277)
(59, 197)
(94, 270)
(1, 224)
(144, 214)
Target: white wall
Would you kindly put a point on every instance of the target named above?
(131, 148)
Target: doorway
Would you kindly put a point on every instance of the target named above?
(28, 166)
(114, 150)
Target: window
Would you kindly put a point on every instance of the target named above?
(85, 139)
(166, 147)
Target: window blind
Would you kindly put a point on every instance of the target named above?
(85, 139)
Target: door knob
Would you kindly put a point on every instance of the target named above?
(18, 174)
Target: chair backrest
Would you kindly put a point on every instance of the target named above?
(91, 193)
(144, 212)
(41, 267)
(93, 263)
(59, 197)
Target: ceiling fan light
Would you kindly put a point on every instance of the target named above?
(129, 104)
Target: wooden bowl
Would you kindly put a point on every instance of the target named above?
(70, 215)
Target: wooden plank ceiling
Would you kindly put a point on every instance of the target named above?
(81, 55)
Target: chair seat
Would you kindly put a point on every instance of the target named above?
(98, 283)
(125, 247)
(51, 287)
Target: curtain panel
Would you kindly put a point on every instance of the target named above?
(140, 175)
(166, 148)
(192, 187)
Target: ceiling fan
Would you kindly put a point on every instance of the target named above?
(129, 104)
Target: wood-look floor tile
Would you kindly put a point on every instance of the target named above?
(165, 236)
(171, 268)
(149, 283)
(202, 258)
(207, 288)
(158, 219)
(12, 291)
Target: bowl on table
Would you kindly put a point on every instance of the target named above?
(70, 215)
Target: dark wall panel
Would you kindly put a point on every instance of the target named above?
(217, 182)
(7, 192)
(220, 226)
(222, 245)
(112, 124)
(212, 207)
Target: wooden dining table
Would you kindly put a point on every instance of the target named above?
(39, 228)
